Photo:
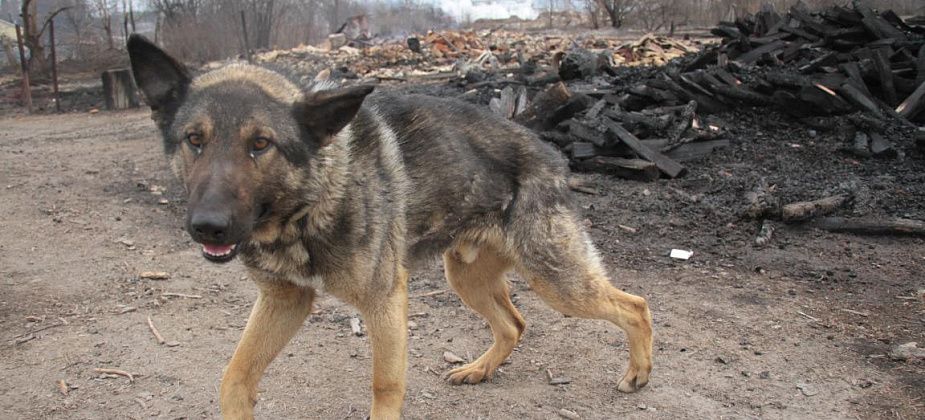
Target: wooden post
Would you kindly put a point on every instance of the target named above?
(247, 47)
(26, 90)
(119, 90)
(54, 64)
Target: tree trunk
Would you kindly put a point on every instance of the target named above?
(263, 22)
(32, 39)
(107, 27)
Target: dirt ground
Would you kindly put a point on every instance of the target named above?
(800, 329)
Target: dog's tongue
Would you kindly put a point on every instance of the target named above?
(217, 250)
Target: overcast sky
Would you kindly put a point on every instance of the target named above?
(497, 9)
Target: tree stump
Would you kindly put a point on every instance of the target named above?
(119, 89)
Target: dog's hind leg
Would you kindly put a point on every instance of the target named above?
(559, 261)
(477, 276)
(278, 313)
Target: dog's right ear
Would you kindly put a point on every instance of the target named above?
(161, 77)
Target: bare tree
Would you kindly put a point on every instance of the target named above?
(77, 17)
(594, 13)
(263, 15)
(104, 11)
(617, 10)
(32, 34)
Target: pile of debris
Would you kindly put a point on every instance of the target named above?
(475, 56)
(840, 61)
(832, 62)
(651, 50)
(606, 105)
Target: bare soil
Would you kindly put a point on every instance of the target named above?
(88, 204)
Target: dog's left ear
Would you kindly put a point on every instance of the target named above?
(161, 77)
(327, 112)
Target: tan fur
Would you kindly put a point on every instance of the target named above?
(272, 84)
(278, 314)
(477, 276)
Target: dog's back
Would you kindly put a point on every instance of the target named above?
(469, 169)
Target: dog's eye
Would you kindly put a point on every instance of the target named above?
(194, 140)
(260, 144)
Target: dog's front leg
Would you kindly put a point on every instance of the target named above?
(279, 312)
(387, 321)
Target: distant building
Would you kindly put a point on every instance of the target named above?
(8, 43)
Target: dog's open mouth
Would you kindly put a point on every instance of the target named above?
(219, 253)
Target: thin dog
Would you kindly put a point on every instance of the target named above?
(344, 190)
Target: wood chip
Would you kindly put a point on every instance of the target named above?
(556, 380)
(449, 357)
(628, 228)
(568, 414)
(807, 390)
(356, 327)
(154, 275)
(63, 388)
(108, 371)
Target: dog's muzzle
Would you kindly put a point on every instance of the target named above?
(219, 253)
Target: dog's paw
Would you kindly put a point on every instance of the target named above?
(472, 374)
(634, 380)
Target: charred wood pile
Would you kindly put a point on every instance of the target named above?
(835, 61)
(842, 61)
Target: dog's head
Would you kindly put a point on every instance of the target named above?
(235, 137)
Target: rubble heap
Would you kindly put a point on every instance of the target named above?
(472, 55)
(838, 61)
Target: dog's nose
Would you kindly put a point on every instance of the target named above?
(210, 227)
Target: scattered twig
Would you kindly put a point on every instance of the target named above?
(24, 339)
(157, 334)
(808, 317)
(427, 294)
(858, 313)
(131, 378)
(182, 295)
(40, 329)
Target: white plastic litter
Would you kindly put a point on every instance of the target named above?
(680, 254)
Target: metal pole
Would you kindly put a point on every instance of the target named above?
(247, 47)
(54, 64)
(26, 90)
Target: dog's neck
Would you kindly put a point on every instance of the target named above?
(325, 190)
(312, 219)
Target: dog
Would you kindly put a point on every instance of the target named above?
(342, 190)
